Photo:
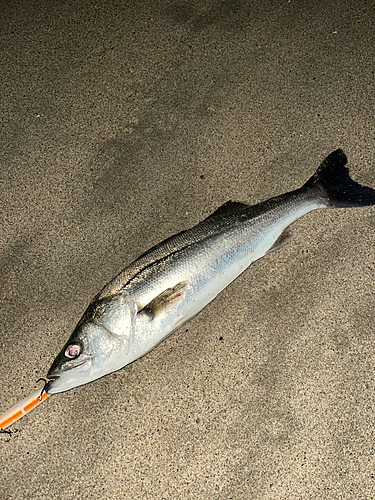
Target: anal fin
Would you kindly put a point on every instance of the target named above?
(164, 299)
(284, 238)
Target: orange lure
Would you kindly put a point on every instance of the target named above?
(21, 408)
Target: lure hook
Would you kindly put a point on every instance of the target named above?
(43, 388)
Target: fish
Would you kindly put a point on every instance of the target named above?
(173, 281)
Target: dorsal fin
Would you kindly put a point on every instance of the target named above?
(219, 220)
(228, 208)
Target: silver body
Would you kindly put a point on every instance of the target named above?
(208, 267)
(117, 329)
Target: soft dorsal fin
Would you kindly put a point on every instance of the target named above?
(228, 208)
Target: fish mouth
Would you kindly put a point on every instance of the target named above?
(54, 373)
(63, 378)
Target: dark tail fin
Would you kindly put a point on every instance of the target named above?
(333, 178)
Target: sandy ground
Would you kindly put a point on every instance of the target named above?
(125, 122)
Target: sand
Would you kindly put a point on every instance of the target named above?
(123, 123)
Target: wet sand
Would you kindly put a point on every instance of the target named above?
(125, 122)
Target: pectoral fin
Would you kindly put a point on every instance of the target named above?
(284, 237)
(164, 299)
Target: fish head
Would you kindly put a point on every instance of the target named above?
(100, 344)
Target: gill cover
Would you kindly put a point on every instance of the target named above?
(101, 341)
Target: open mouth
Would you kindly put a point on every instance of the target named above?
(55, 374)
(62, 377)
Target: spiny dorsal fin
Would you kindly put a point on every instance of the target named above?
(221, 218)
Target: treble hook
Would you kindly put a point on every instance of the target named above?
(43, 388)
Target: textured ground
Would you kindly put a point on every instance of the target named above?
(125, 122)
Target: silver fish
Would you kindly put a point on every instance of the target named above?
(173, 281)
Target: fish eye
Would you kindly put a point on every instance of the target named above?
(73, 351)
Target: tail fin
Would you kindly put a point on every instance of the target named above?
(342, 192)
